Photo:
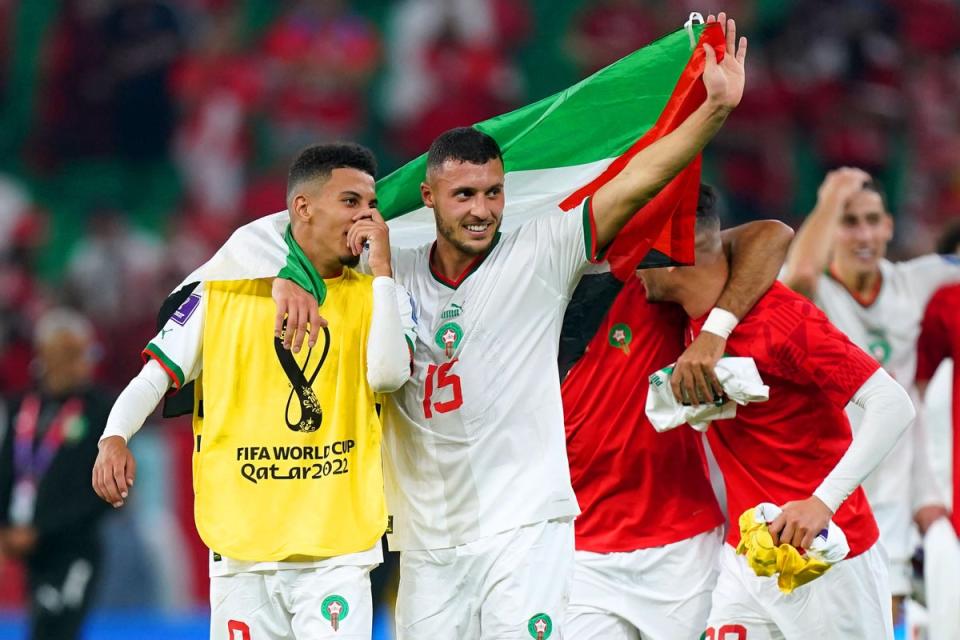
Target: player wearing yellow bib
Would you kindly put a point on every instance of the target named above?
(287, 470)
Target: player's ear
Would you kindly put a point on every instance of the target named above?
(300, 208)
(426, 194)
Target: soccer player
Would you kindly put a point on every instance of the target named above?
(287, 467)
(940, 339)
(649, 534)
(475, 460)
(837, 260)
(797, 451)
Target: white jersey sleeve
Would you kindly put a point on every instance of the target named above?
(178, 347)
(928, 273)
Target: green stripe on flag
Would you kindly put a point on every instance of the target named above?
(595, 119)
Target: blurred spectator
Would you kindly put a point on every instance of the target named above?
(217, 85)
(451, 66)
(77, 87)
(49, 515)
(22, 297)
(113, 276)
(322, 55)
(610, 29)
(143, 41)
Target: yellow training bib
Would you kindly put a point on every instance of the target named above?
(288, 462)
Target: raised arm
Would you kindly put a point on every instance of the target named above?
(389, 346)
(756, 251)
(651, 169)
(810, 253)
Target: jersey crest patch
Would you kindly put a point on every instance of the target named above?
(335, 608)
(540, 626)
(879, 347)
(620, 337)
(448, 337)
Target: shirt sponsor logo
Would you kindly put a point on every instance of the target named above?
(453, 311)
(181, 315)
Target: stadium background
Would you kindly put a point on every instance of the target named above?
(136, 134)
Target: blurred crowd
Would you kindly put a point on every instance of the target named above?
(139, 133)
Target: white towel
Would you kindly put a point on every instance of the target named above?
(829, 546)
(941, 566)
(741, 384)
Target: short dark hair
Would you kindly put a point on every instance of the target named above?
(875, 186)
(319, 161)
(463, 144)
(708, 209)
(949, 240)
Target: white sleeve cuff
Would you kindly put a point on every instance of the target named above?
(137, 401)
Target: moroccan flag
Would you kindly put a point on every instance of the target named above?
(556, 153)
(560, 150)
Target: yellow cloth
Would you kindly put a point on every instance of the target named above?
(791, 568)
(281, 475)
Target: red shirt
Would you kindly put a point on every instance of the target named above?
(637, 488)
(782, 449)
(939, 339)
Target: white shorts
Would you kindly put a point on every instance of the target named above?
(512, 585)
(851, 600)
(897, 537)
(661, 593)
(328, 601)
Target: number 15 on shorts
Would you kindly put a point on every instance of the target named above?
(440, 378)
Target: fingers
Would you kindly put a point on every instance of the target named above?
(278, 320)
(675, 385)
(807, 539)
(131, 470)
(711, 374)
(710, 53)
(701, 386)
(776, 527)
(293, 319)
(316, 320)
(711, 18)
(300, 333)
(119, 485)
(742, 50)
(731, 32)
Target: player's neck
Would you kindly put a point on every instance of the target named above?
(449, 261)
(861, 284)
(700, 293)
(327, 266)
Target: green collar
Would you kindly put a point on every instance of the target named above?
(300, 270)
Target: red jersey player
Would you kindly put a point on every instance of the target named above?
(649, 532)
(795, 450)
(939, 339)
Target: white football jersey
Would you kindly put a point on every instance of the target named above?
(888, 329)
(474, 443)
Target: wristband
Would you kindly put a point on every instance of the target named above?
(720, 322)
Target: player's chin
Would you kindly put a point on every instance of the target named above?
(349, 260)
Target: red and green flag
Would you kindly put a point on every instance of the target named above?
(557, 152)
